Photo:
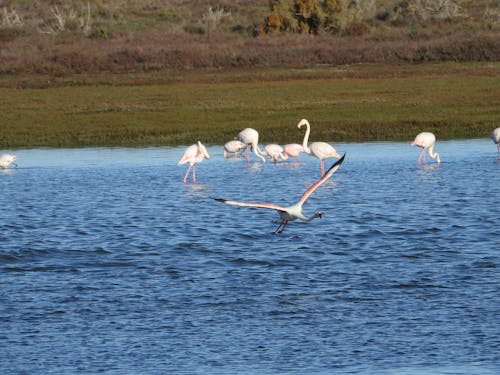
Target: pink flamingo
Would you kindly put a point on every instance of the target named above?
(292, 150)
(320, 150)
(233, 147)
(293, 212)
(426, 140)
(250, 137)
(193, 155)
(275, 152)
(6, 160)
(495, 137)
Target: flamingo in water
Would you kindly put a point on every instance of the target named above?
(495, 137)
(193, 155)
(320, 150)
(6, 160)
(292, 150)
(293, 212)
(275, 152)
(233, 147)
(250, 137)
(426, 140)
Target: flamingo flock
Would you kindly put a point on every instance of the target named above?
(249, 139)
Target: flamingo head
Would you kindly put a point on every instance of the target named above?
(203, 150)
(318, 214)
(302, 123)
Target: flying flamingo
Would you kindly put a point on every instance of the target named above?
(275, 152)
(193, 155)
(233, 147)
(250, 137)
(292, 150)
(293, 212)
(320, 150)
(495, 137)
(7, 159)
(426, 141)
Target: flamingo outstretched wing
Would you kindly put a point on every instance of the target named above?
(252, 204)
(325, 177)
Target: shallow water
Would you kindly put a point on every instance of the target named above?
(109, 263)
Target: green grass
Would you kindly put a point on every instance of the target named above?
(358, 103)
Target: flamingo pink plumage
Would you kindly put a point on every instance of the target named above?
(293, 212)
(233, 147)
(426, 140)
(193, 155)
(274, 151)
(495, 137)
(250, 137)
(320, 150)
(292, 150)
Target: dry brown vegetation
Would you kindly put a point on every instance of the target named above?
(58, 38)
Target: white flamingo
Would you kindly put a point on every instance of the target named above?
(320, 150)
(292, 150)
(250, 137)
(233, 147)
(293, 212)
(426, 140)
(6, 160)
(193, 155)
(495, 137)
(275, 152)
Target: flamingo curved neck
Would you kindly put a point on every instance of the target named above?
(258, 152)
(433, 154)
(306, 138)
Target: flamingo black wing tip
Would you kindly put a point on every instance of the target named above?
(220, 200)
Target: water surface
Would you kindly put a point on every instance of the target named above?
(109, 263)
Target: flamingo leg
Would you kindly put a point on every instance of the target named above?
(187, 173)
(245, 152)
(499, 150)
(194, 173)
(281, 227)
(322, 167)
(422, 153)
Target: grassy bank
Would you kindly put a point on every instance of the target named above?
(348, 103)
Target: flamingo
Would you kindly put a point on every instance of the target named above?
(320, 150)
(233, 147)
(193, 155)
(7, 159)
(495, 137)
(275, 152)
(293, 212)
(292, 150)
(426, 140)
(250, 137)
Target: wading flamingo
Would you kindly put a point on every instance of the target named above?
(7, 159)
(426, 140)
(250, 137)
(275, 152)
(193, 155)
(233, 147)
(495, 137)
(320, 150)
(292, 150)
(293, 212)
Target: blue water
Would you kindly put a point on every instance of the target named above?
(109, 263)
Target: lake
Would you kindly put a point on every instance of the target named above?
(110, 264)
